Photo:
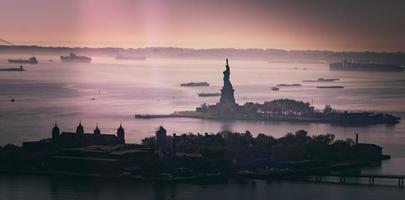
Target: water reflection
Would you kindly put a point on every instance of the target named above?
(61, 188)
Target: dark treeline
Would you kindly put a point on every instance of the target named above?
(241, 147)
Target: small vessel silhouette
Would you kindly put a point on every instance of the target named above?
(75, 58)
(31, 60)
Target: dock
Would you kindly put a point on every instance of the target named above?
(342, 178)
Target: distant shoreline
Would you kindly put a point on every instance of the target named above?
(2, 46)
(269, 54)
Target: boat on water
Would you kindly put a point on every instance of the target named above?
(357, 66)
(75, 58)
(195, 84)
(322, 80)
(31, 60)
(275, 88)
(289, 85)
(217, 94)
(331, 87)
(14, 69)
(121, 56)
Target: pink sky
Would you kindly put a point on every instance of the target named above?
(335, 25)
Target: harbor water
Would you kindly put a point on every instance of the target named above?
(108, 92)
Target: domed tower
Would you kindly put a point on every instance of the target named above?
(80, 129)
(55, 132)
(97, 130)
(121, 134)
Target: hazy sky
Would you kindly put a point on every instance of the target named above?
(376, 25)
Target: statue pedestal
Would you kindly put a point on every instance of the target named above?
(227, 96)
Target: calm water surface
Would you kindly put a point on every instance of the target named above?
(56, 188)
(63, 92)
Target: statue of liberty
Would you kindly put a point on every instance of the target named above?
(227, 90)
(227, 74)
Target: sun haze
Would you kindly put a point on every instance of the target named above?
(332, 25)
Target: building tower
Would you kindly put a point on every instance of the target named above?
(80, 129)
(121, 134)
(160, 141)
(97, 130)
(55, 133)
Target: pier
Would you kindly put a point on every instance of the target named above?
(342, 178)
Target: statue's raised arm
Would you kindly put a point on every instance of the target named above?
(227, 73)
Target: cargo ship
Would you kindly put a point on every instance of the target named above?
(75, 58)
(209, 94)
(322, 80)
(357, 66)
(289, 85)
(16, 69)
(330, 87)
(31, 60)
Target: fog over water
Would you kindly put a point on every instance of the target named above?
(63, 92)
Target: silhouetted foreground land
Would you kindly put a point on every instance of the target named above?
(188, 156)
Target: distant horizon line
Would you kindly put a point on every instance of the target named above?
(191, 48)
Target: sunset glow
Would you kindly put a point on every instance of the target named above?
(334, 25)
